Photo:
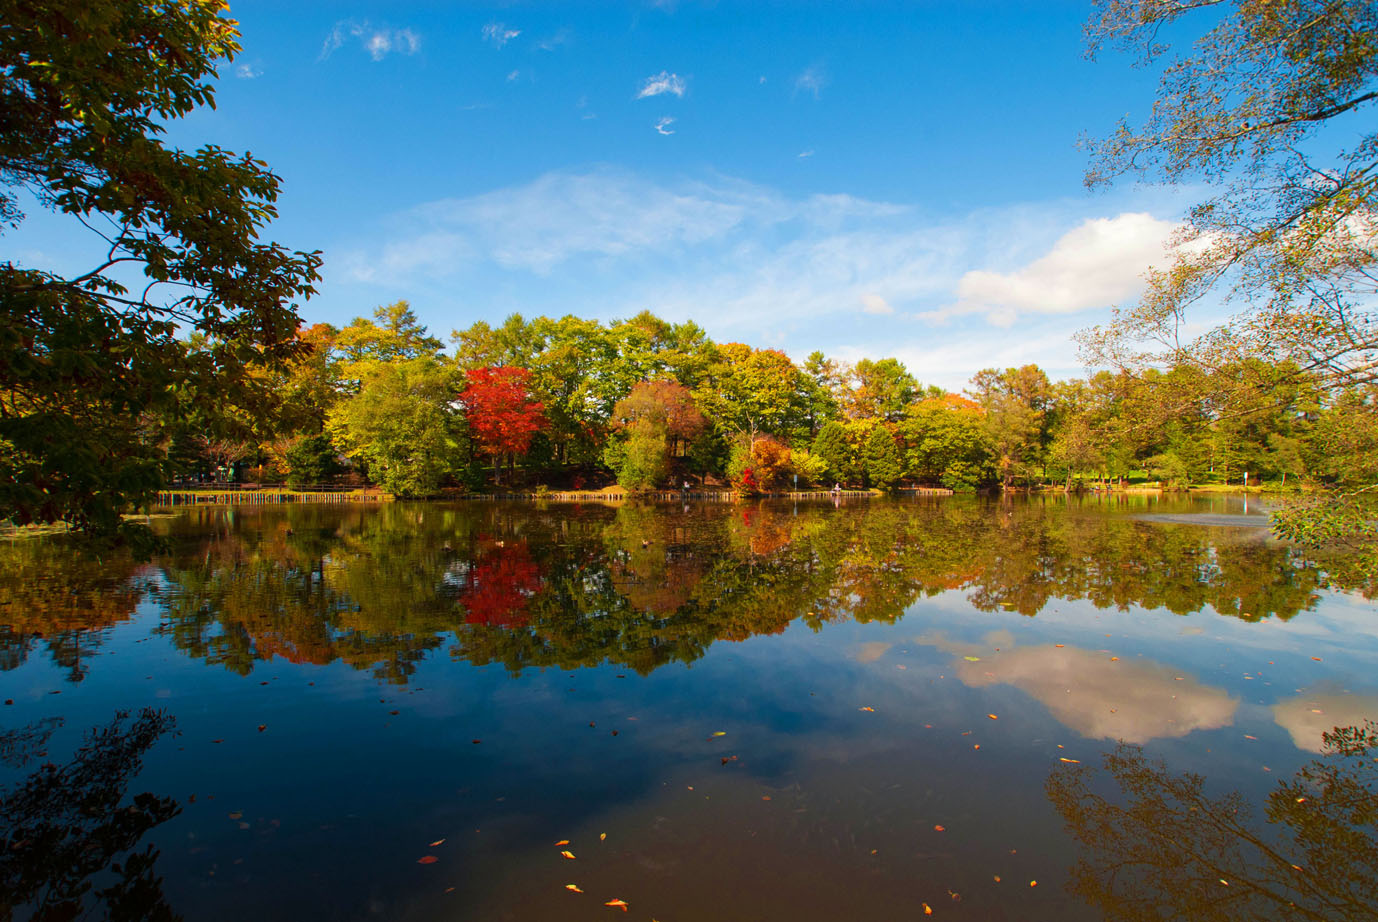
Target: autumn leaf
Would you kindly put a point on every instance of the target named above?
(437, 842)
(992, 717)
(561, 842)
(602, 836)
(619, 904)
(972, 659)
(574, 887)
(718, 733)
(567, 854)
(866, 709)
(1073, 761)
(940, 829)
(427, 859)
(927, 909)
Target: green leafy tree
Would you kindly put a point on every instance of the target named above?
(884, 466)
(831, 447)
(90, 365)
(403, 427)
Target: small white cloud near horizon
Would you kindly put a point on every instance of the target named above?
(379, 42)
(497, 34)
(247, 72)
(663, 126)
(661, 83)
(812, 81)
(875, 304)
(1096, 264)
(806, 153)
(513, 76)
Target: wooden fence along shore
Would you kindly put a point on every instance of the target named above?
(188, 496)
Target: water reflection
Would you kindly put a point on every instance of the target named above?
(639, 586)
(71, 842)
(1162, 847)
(1096, 695)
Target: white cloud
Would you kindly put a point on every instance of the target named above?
(247, 72)
(513, 75)
(812, 81)
(805, 153)
(1098, 263)
(497, 34)
(379, 42)
(663, 126)
(875, 304)
(663, 82)
(561, 37)
(1306, 718)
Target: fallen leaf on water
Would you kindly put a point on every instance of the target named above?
(561, 842)
(927, 909)
(940, 829)
(977, 746)
(718, 733)
(972, 659)
(567, 854)
(574, 887)
(997, 878)
(1317, 659)
(1059, 645)
(992, 717)
(1248, 737)
(1114, 659)
(1033, 883)
(262, 727)
(236, 815)
(602, 836)
(765, 797)
(619, 904)
(956, 897)
(437, 842)
(427, 859)
(1073, 761)
(866, 709)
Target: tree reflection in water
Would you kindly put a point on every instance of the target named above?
(1162, 848)
(637, 585)
(70, 841)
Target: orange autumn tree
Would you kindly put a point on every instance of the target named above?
(503, 416)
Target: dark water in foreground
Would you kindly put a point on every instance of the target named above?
(729, 712)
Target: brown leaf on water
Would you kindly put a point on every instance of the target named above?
(1318, 659)
(866, 709)
(574, 887)
(927, 909)
(1033, 883)
(992, 717)
(617, 904)
(602, 836)
(427, 859)
(997, 878)
(940, 829)
(561, 842)
(1073, 761)
(567, 854)
(262, 727)
(437, 842)
(236, 815)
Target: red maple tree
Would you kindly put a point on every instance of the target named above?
(503, 416)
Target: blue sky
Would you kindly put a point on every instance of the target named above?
(868, 179)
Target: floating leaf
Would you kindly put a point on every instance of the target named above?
(427, 859)
(1073, 761)
(972, 659)
(618, 904)
(561, 842)
(1317, 659)
(602, 836)
(940, 829)
(1033, 883)
(574, 887)
(437, 842)
(866, 709)
(927, 909)
(718, 733)
(997, 878)
(567, 854)
(992, 717)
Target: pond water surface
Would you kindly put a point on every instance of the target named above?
(884, 710)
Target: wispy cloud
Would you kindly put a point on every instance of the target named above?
(872, 303)
(663, 126)
(1100, 262)
(378, 41)
(561, 37)
(513, 75)
(805, 154)
(497, 34)
(745, 261)
(247, 72)
(812, 81)
(661, 83)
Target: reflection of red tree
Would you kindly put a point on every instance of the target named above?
(500, 584)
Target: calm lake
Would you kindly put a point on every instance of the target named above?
(712, 711)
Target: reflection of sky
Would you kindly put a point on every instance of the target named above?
(1096, 696)
(1308, 716)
